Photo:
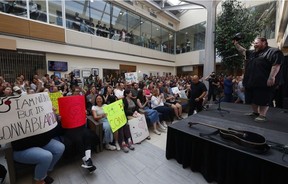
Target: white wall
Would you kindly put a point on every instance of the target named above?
(86, 63)
(189, 58)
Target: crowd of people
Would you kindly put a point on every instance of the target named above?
(153, 96)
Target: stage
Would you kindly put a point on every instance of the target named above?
(224, 161)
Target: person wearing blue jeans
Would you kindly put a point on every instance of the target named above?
(40, 150)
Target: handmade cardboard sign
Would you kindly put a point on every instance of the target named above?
(72, 111)
(115, 115)
(138, 128)
(24, 116)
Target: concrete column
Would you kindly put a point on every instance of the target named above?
(209, 62)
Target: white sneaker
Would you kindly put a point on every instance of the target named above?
(161, 126)
(164, 124)
(195, 112)
(117, 147)
(110, 147)
(156, 132)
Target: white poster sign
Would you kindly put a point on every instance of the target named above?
(175, 90)
(131, 77)
(182, 94)
(138, 128)
(24, 116)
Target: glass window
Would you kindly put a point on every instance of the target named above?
(100, 16)
(55, 12)
(133, 28)
(77, 15)
(198, 36)
(191, 38)
(145, 32)
(167, 41)
(119, 23)
(267, 12)
(155, 40)
(38, 10)
(18, 8)
(183, 41)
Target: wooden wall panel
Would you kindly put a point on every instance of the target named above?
(47, 32)
(14, 25)
(17, 26)
(7, 44)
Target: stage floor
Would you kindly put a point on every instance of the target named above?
(277, 119)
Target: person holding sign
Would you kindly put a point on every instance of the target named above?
(40, 150)
(73, 120)
(99, 115)
(170, 100)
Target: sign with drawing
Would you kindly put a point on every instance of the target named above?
(138, 128)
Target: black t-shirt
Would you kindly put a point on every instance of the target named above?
(259, 64)
(197, 90)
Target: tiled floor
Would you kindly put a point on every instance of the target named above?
(146, 165)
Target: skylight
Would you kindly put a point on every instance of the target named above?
(174, 2)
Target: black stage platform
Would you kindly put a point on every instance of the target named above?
(224, 161)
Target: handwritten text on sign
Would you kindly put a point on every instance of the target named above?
(138, 128)
(24, 116)
(115, 115)
(54, 99)
(131, 77)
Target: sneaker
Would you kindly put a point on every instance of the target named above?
(195, 112)
(156, 132)
(48, 180)
(260, 118)
(164, 124)
(125, 148)
(253, 114)
(92, 169)
(161, 126)
(178, 118)
(130, 146)
(148, 138)
(87, 164)
(110, 147)
(117, 147)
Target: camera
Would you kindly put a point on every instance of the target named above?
(238, 36)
